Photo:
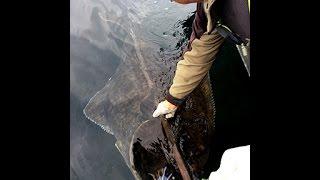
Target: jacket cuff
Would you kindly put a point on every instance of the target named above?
(173, 100)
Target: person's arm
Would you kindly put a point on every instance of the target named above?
(190, 71)
(193, 67)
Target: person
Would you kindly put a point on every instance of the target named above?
(204, 44)
(202, 49)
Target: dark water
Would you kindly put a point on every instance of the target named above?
(112, 42)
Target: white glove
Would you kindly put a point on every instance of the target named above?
(235, 165)
(165, 108)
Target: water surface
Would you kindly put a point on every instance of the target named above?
(109, 38)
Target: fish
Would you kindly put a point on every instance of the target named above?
(124, 105)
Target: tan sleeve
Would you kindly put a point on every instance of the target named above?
(195, 64)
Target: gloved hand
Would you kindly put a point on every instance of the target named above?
(165, 108)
